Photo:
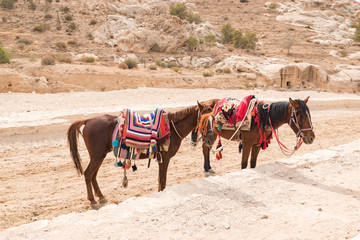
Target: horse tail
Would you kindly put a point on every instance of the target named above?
(72, 137)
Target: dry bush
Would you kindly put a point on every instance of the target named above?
(64, 58)
(152, 67)
(87, 59)
(131, 63)
(61, 46)
(41, 27)
(48, 60)
(208, 73)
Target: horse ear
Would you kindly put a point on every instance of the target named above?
(294, 104)
(200, 106)
(213, 104)
(306, 99)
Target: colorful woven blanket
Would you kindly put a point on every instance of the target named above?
(141, 131)
(230, 111)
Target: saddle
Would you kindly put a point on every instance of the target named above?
(136, 134)
(230, 113)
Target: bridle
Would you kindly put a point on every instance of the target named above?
(294, 119)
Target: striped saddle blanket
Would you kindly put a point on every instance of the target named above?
(141, 131)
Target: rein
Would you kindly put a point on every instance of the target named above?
(286, 151)
(200, 117)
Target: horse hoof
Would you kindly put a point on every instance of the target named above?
(95, 206)
(206, 174)
(103, 201)
(212, 172)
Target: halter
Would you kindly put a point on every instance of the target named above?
(300, 130)
(299, 134)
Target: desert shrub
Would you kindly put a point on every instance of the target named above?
(176, 69)
(210, 40)
(356, 37)
(317, 3)
(32, 6)
(218, 70)
(153, 67)
(249, 41)
(72, 43)
(172, 65)
(343, 53)
(93, 22)
(208, 74)
(227, 32)
(63, 58)
(58, 22)
(64, 9)
(61, 46)
(238, 39)
(4, 55)
(48, 60)
(131, 63)
(48, 17)
(87, 59)
(160, 63)
(41, 27)
(273, 6)
(7, 4)
(90, 36)
(155, 48)
(72, 27)
(192, 42)
(123, 66)
(68, 17)
(226, 70)
(179, 10)
(32, 59)
(244, 1)
(287, 44)
(192, 17)
(25, 41)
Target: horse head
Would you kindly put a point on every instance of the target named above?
(206, 123)
(300, 120)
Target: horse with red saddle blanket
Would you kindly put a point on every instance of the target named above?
(140, 137)
(253, 124)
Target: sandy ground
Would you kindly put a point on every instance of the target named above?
(38, 180)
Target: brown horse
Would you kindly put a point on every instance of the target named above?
(272, 116)
(98, 132)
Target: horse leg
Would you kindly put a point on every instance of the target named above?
(88, 174)
(254, 154)
(207, 167)
(90, 178)
(163, 166)
(245, 155)
(96, 187)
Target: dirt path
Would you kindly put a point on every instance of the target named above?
(38, 180)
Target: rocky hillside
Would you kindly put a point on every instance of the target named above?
(64, 45)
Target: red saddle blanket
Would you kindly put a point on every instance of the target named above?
(231, 110)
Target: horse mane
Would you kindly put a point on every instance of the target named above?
(277, 110)
(181, 114)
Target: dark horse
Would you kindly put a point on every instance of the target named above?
(98, 132)
(272, 116)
